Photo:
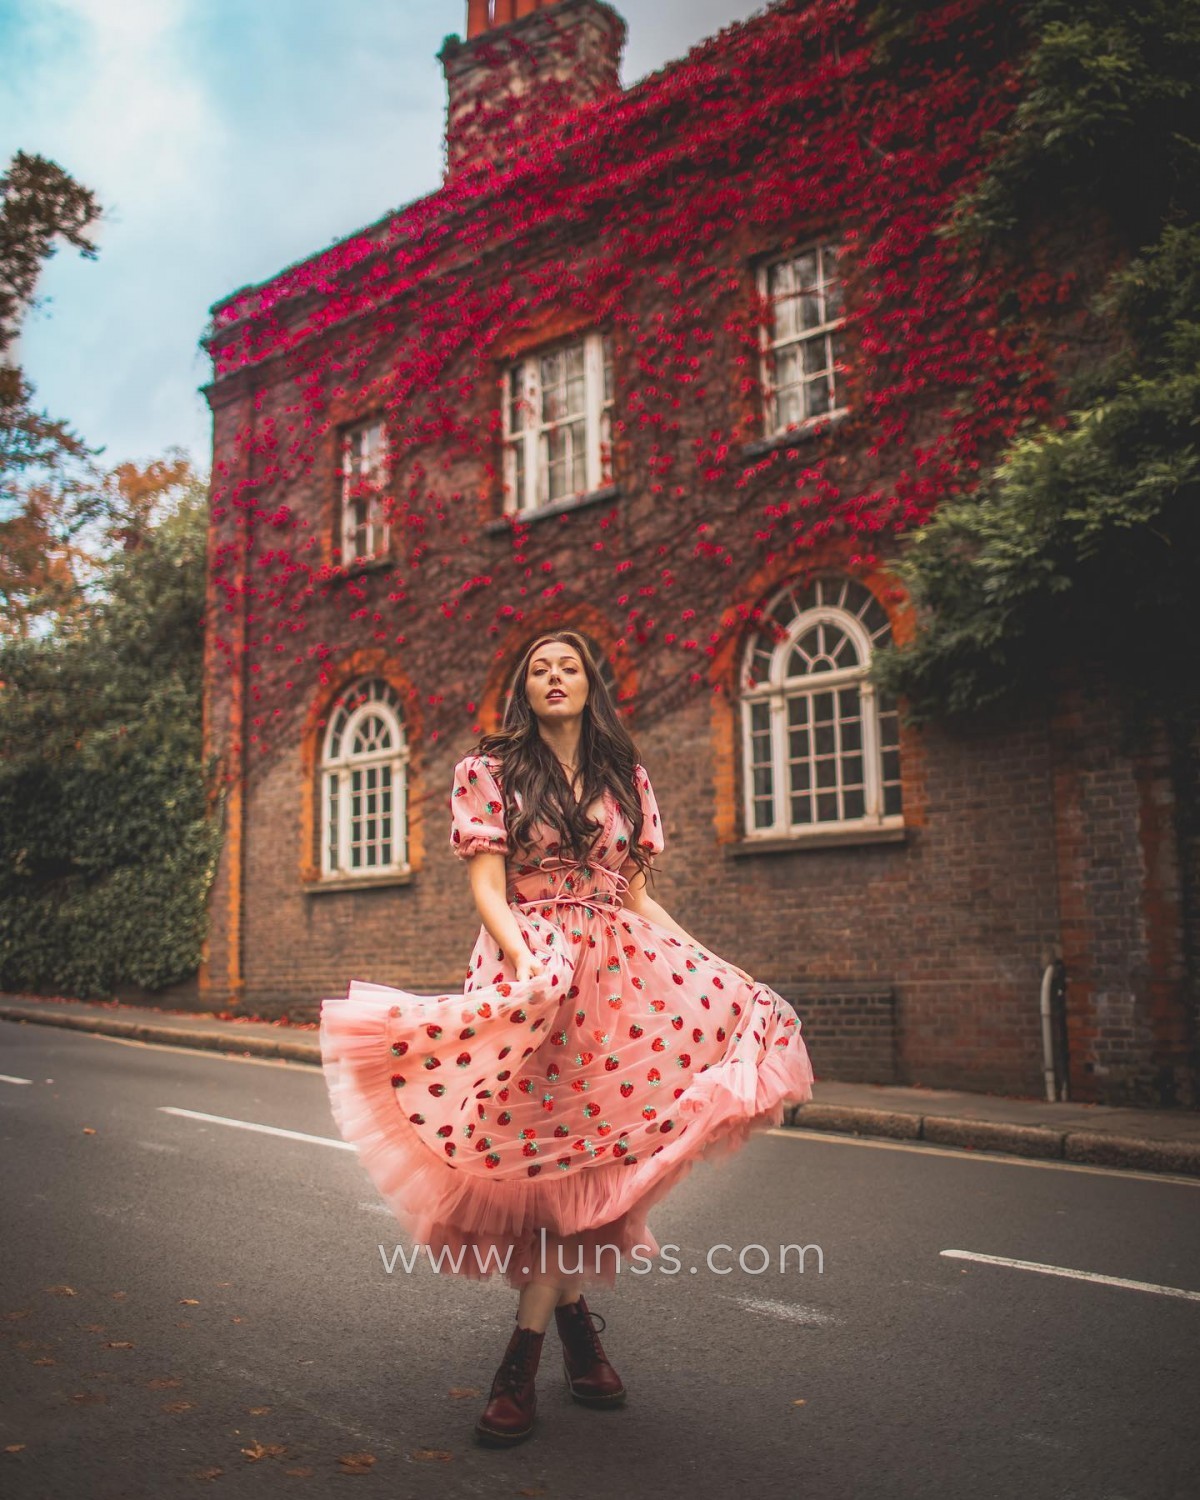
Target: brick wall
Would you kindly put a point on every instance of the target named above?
(918, 961)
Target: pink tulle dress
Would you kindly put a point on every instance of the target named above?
(573, 1102)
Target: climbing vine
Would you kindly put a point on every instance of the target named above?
(643, 214)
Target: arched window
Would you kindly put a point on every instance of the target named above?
(599, 656)
(364, 783)
(821, 746)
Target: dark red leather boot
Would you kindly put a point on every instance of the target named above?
(508, 1416)
(590, 1377)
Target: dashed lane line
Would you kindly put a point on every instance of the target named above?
(291, 1135)
(1033, 1265)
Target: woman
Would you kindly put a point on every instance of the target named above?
(527, 1125)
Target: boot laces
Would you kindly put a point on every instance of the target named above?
(516, 1365)
(587, 1329)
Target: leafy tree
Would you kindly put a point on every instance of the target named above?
(1080, 545)
(48, 482)
(108, 841)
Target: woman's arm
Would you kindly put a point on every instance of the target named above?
(489, 886)
(638, 900)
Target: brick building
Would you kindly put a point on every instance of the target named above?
(908, 890)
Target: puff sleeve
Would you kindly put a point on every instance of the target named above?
(476, 810)
(651, 839)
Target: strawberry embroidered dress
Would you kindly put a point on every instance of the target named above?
(572, 1102)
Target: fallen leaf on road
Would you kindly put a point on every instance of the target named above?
(299, 1473)
(164, 1383)
(800, 1403)
(14, 1447)
(189, 1302)
(118, 1296)
(60, 1291)
(258, 1411)
(89, 1130)
(463, 1390)
(237, 1320)
(258, 1451)
(208, 1473)
(93, 1327)
(430, 1455)
(45, 1360)
(118, 1344)
(357, 1463)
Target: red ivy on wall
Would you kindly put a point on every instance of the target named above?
(640, 215)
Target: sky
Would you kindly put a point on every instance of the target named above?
(225, 139)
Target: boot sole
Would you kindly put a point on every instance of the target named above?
(614, 1400)
(492, 1439)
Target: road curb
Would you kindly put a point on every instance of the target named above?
(174, 1036)
(1090, 1148)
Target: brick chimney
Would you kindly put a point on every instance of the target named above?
(524, 64)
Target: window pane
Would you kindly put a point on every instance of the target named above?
(806, 269)
(814, 355)
(827, 808)
(810, 310)
(854, 805)
(787, 367)
(816, 397)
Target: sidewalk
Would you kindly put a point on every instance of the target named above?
(1140, 1139)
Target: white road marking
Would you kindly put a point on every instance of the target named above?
(837, 1138)
(291, 1135)
(791, 1312)
(5, 1078)
(1033, 1265)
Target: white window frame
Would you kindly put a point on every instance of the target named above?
(772, 341)
(339, 766)
(366, 465)
(526, 448)
(777, 690)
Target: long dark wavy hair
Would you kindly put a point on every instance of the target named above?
(608, 756)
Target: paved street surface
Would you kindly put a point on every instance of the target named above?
(191, 1307)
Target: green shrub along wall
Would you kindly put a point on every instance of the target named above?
(109, 832)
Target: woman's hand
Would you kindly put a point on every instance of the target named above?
(528, 966)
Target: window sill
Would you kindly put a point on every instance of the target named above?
(362, 565)
(556, 508)
(809, 433)
(834, 838)
(358, 883)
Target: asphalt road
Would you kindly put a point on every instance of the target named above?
(189, 1306)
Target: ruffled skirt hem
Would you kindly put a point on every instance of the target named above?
(595, 1218)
